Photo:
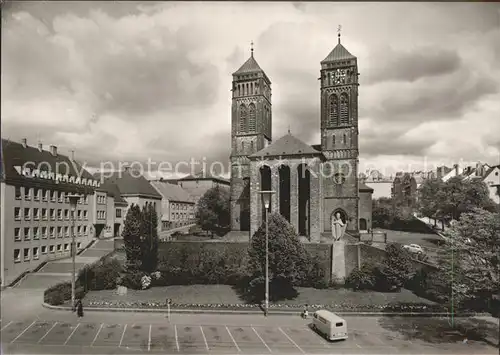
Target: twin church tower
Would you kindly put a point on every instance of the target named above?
(311, 183)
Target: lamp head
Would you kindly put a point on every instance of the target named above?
(266, 198)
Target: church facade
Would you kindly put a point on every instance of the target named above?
(311, 184)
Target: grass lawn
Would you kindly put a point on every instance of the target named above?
(223, 294)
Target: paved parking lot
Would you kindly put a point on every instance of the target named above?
(38, 336)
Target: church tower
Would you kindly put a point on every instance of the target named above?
(251, 131)
(339, 136)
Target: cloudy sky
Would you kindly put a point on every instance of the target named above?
(131, 81)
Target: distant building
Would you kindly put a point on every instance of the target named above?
(177, 205)
(404, 190)
(111, 208)
(196, 185)
(381, 185)
(35, 209)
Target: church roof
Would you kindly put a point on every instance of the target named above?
(364, 187)
(338, 53)
(286, 145)
(250, 66)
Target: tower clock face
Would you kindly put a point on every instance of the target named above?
(338, 76)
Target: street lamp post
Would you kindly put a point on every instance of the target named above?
(73, 200)
(266, 200)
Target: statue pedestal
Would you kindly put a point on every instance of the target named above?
(338, 260)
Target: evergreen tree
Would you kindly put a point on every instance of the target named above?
(132, 232)
(213, 211)
(149, 245)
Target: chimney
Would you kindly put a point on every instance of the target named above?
(53, 150)
(24, 141)
(456, 169)
(40, 147)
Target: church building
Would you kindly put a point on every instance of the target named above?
(312, 184)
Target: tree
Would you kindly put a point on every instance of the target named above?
(149, 245)
(427, 197)
(472, 254)
(382, 212)
(132, 232)
(213, 211)
(397, 268)
(288, 259)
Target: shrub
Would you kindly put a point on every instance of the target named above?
(101, 275)
(60, 293)
(131, 280)
(364, 278)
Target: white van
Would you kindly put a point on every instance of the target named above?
(330, 325)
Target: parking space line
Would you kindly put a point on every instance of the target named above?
(149, 339)
(95, 338)
(123, 334)
(204, 337)
(262, 340)
(176, 338)
(7, 325)
(294, 343)
(73, 332)
(48, 331)
(24, 331)
(234, 341)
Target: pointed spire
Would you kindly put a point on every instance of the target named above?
(251, 48)
(339, 30)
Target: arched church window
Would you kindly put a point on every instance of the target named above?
(333, 114)
(344, 139)
(251, 118)
(243, 118)
(344, 109)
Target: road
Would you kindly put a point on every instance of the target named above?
(28, 328)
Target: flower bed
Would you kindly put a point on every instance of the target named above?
(396, 308)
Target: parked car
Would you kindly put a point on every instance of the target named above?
(414, 248)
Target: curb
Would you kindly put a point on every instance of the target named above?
(258, 311)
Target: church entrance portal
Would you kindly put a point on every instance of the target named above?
(362, 224)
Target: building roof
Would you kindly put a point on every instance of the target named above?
(250, 66)
(203, 175)
(132, 184)
(172, 192)
(338, 53)
(364, 188)
(112, 190)
(490, 169)
(286, 145)
(15, 156)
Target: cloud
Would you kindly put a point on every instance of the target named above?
(137, 80)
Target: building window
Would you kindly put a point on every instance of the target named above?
(59, 232)
(18, 193)
(78, 245)
(44, 194)
(61, 196)
(344, 139)
(17, 255)
(17, 213)
(85, 215)
(339, 178)
(54, 196)
(344, 109)
(36, 194)
(36, 214)
(27, 233)
(26, 254)
(27, 193)
(86, 199)
(66, 231)
(36, 234)
(17, 234)
(118, 213)
(66, 215)
(35, 253)
(44, 214)
(251, 118)
(44, 232)
(44, 249)
(243, 118)
(66, 247)
(79, 214)
(333, 112)
(53, 214)
(59, 247)
(85, 232)
(59, 214)
(52, 232)
(51, 249)
(27, 214)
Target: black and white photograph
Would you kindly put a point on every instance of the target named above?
(250, 177)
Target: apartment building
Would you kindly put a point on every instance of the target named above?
(36, 213)
(178, 207)
(110, 208)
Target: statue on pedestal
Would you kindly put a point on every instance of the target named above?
(338, 227)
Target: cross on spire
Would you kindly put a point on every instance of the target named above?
(288, 129)
(339, 29)
(251, 48)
